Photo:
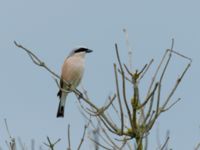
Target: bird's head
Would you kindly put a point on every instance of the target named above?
(80, 52)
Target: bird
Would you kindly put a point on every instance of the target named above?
(72, 73)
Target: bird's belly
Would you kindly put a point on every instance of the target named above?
(73, 75)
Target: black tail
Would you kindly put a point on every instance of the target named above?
(60, 112)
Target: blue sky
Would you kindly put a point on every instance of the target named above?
(52, 28)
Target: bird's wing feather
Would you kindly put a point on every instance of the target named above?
(59, 94)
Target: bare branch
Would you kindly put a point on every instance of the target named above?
(50, 144)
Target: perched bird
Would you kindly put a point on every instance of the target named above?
(72, 72)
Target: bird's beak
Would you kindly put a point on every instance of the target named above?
(89, 51)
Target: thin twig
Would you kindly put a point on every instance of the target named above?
(12, 144)
(109, 138)
(123, 83)
(83, 136)
(149, 110)
(21, 144)
(197, 146)
(6, 124)
(130, 51)
(162, 148)
(169, 107)
(148, 98)
(32, 144)
(129, 80)
(175, 87)
(147, 68)
(50, 144)
(68, 135)
(119, 98)
(99, 144)
(99, 134)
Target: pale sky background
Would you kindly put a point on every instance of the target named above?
(52, 28)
